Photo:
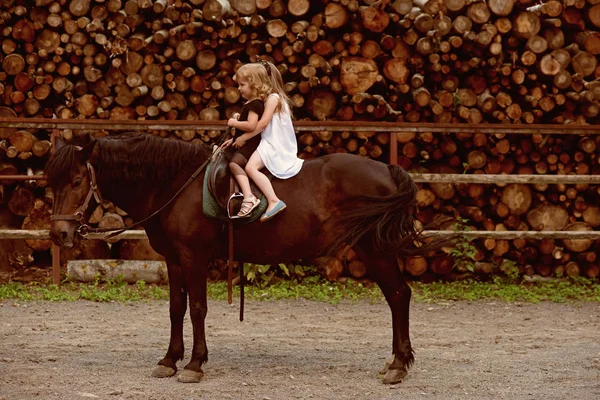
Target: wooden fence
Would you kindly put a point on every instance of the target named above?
(353, 126)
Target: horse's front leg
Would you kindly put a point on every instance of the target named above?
(195, 270)
(177, 307)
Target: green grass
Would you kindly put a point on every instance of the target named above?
(566, 290)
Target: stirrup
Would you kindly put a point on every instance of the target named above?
(233, 196)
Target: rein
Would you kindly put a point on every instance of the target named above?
(84, 229)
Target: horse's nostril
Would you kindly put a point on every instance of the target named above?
(63, 235)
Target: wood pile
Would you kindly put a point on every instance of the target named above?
(451, 61)
(508, 207)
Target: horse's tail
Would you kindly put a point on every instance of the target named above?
(390, 220)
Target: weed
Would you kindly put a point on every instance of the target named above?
(463, 252)
(315, 288)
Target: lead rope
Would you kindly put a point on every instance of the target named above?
(232, 187)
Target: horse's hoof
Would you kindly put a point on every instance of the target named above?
(189, 376)
(385, 368)
(163, 372)
(394, 376)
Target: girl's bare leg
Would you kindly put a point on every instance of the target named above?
(240, 175)
(255, 164)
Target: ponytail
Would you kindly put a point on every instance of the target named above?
(277, 86)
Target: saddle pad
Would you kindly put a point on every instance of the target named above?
(212, 209)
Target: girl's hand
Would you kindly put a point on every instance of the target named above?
(239, 142)
(226, 143)
(236, 116)
(232, 122)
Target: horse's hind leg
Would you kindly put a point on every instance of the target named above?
(177, 307)
(384, 270)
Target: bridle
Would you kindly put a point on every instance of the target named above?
(79, 215)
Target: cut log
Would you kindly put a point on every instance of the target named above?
(137, 250)
(111, 221)
(129, 271)
(403, 7)
(6, 112)
(591, 215)
(416, 266)
(593, 14)
(21, 202)
(21, 140)
(479, 12)
(374, 19)
(277, 28)
(336, 15)
(38, 218)
(517, 198)
(13, 64)
(357, 75)
(589, 40)
(578, 245)
(357, 269)
(526, 25)
(243, 7)
(205, 60)
(572, 269)
(215, 10)
(442, 265)
(584, 63)
(431, 7)
(501, 7)
(548, 217)
(321, 104)
(395, 69)
(87, 250)
(330, 267)
(298, 7)
(14, 253)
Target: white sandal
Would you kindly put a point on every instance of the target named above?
(247, 207)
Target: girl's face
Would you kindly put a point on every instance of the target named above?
(244, 88)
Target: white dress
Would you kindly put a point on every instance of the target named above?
(278, 147)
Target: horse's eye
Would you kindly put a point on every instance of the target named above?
(77, 183)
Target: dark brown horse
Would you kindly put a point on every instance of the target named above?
(336, 199)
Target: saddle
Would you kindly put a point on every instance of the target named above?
(222, 186)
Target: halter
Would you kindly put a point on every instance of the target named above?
(83, 229)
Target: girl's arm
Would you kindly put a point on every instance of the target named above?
(246, 126)
(270, 106)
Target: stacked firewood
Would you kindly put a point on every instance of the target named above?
(451, 61)
(506, 207)
(411, 60)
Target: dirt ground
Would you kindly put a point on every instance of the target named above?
(302, 350)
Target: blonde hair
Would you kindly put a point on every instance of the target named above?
(277, 87)
(264, 79)
(257, 78)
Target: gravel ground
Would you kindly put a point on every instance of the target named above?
(302, 350)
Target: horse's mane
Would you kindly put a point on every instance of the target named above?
(132, 158)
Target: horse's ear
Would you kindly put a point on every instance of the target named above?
(88, 149)
(58, 143)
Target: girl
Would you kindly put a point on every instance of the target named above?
(254, 85)
(278, 148)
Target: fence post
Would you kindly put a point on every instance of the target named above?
(394, 148)
(55, 248)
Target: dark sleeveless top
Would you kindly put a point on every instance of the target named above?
(258, 106)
